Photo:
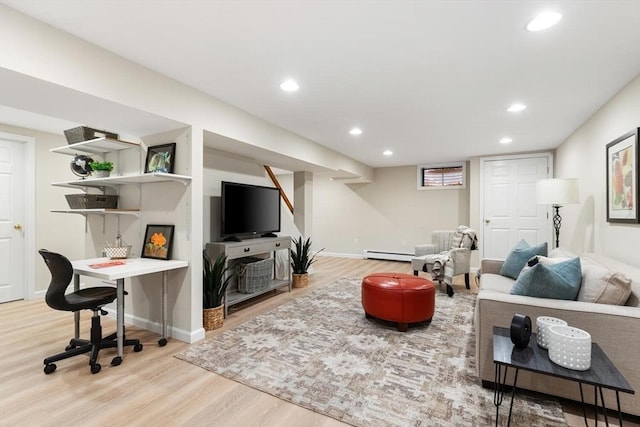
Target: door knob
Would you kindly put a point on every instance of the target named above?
(17, 227)
(487, 221)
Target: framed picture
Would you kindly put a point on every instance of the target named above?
(622, 178)
(160, 158)
(157, 241)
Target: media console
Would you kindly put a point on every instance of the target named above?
(246, 248)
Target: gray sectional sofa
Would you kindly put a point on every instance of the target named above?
(616, 328)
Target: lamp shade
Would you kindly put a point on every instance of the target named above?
(557, 191)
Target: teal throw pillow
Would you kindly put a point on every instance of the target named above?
(519, 256)
(557, 281)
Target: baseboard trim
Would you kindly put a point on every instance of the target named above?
(180, 334)
(341, 255)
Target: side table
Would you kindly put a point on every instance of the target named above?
(602, 374)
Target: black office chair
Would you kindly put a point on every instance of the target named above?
(84, 299)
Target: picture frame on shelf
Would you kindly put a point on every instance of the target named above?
(160, 158)
(158, 240)
(623, 159)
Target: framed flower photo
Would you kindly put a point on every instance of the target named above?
(157, 241)
(622, 179)
(160, 158)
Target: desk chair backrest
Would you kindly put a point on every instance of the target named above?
(61, 275)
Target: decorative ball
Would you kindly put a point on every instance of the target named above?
(80, 165)
(520, 330)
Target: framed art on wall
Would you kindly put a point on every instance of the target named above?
(160, 158)
(622, 178)
(157, 241)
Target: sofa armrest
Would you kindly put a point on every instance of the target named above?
(426, 249)
(490, 265)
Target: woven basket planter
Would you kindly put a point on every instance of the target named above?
(300, 280)
(212, 318)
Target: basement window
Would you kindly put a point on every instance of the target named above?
(444, 176)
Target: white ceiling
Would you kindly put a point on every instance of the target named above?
(429, 80)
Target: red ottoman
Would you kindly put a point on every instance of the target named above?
(398, 297)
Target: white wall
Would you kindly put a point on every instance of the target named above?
(388, 214)
(54, 231)
(582, 156)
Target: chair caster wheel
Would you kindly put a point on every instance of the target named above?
(162, 342)
(116, 361)
(95, 368)
(48, 369)
(69, 347)
(137, 347)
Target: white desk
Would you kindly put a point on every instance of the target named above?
(133, 267)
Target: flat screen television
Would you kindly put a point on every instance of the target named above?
(248, 211)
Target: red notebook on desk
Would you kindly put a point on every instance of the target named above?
(112, 263)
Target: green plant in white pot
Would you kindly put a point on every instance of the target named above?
(101, 169)
(301, 260)
(215, 281)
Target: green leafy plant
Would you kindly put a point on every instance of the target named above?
(301, 257)
(101, 166)
(214, 280)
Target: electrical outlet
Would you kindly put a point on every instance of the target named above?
(355, 241)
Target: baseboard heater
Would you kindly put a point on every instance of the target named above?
(386, 255)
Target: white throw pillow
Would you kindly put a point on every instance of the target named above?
(603, 286)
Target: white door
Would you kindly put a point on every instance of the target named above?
(510, 210)
(12, 216)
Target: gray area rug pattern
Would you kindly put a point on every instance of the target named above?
(320, 352)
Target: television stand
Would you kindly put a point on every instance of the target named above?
(251, 247)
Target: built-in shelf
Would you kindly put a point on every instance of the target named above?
(102, 146)
(134, 212)
(114, 181)
(95, 146)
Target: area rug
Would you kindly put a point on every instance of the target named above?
(320, 352)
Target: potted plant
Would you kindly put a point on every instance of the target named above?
(214, 284)
(301, 260)
(101, 169)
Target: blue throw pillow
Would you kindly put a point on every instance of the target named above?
(557, 281)
(519, 256)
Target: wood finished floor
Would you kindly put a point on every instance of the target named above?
(151, 387)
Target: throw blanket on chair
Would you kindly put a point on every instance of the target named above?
(438, 271)
(470, 233)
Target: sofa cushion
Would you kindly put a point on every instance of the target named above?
(496, 282)
(519, 256)
(554, 280)
(602, 285)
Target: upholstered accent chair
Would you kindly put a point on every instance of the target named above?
(448, 255)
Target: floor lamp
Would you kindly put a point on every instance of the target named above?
(557, 192)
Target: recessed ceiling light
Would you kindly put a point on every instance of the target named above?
(544, 20)
(517, 107)
(505, 140)
(356, 131)
(289, 86)
(387, 153)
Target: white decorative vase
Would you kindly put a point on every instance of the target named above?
(101, 174)
(543, 323)
(570, 347)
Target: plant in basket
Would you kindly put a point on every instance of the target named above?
(301, 260)
(215, 279)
